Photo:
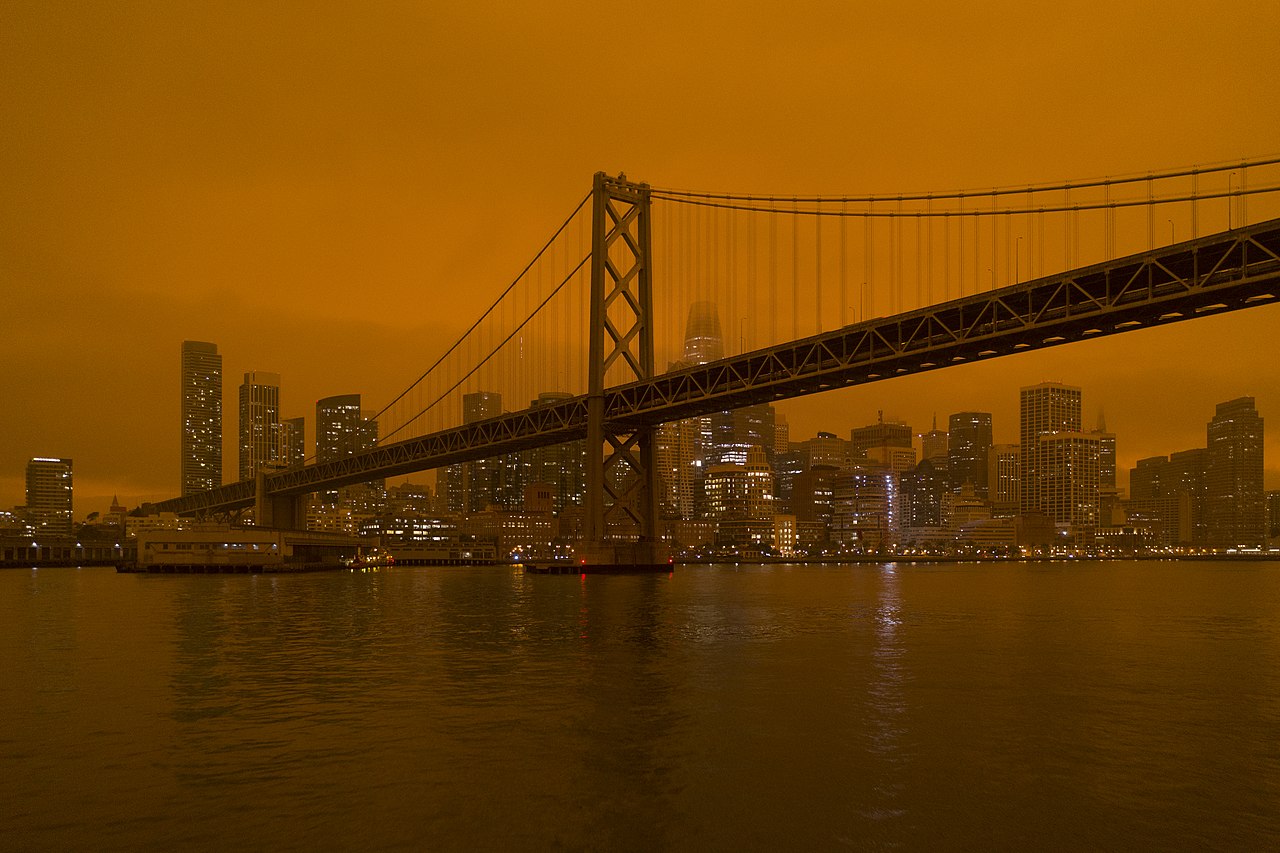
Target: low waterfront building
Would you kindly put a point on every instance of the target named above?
(242, 549)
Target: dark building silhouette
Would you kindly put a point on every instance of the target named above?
(968, 449)
(922, 489)
(703, 337)
(882, 434)
(1234, 510)
(472, 487)
(562, 467)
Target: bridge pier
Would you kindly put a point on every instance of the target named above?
(622, 475)
(283, 512)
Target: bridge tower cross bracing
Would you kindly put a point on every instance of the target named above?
(622, 472)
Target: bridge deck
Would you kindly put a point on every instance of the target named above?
(1222, 272)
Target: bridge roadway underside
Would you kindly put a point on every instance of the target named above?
(1223, 272)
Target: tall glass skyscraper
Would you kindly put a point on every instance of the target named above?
(201, 441)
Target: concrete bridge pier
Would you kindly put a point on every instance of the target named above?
(283, 512)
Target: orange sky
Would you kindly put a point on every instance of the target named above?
(325, 190)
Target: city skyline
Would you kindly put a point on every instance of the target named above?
(156, 193)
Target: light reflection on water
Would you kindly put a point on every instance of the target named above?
(735, 707)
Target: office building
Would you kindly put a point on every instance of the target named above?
(560, 466)
(968, 448)
(703, 336)
(49, 496)
(1069, 493)
(472, 487)
(293, 443)
(201, 417)
(863, 503)
(260, 433)
(921, 491)
(1004, 480)
(1166, 497)
(882, 434)
(934, 443)
(679, 474)
(1107, 454)
(734, 433)
(1235, 515)
(342, 428)
(1046, 409)
(740, 500)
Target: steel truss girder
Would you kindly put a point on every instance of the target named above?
(1235, 269)
(1223, 272)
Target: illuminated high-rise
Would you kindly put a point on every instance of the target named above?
(260, 432)
(1046, 409)
(201, 416)
(49, 495)
(342, 429)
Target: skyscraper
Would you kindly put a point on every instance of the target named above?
(293, 444)
(1107, 460)
(968, 447)
(201, 439)
(1234, 504)
(49, 495)
(934, 443)
(1004, 481)
(472, 486)
(561, 466)
(260, 433)
(1046, 409)
(682, 447)
(734, 433)
(882, 434)
(342, 429)
(703, 338)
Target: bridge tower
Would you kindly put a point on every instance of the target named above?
(622, 489)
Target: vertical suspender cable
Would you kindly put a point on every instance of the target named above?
(844, 263)
(1151, 215)
(795, 271)
(817, 274)
(1195, 188)
(868, 239)
(773, 275)
(1244, 195)
(928, 251)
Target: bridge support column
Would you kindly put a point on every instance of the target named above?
(285, 512)
(622, 488)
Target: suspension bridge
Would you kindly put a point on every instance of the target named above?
(821, 292)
